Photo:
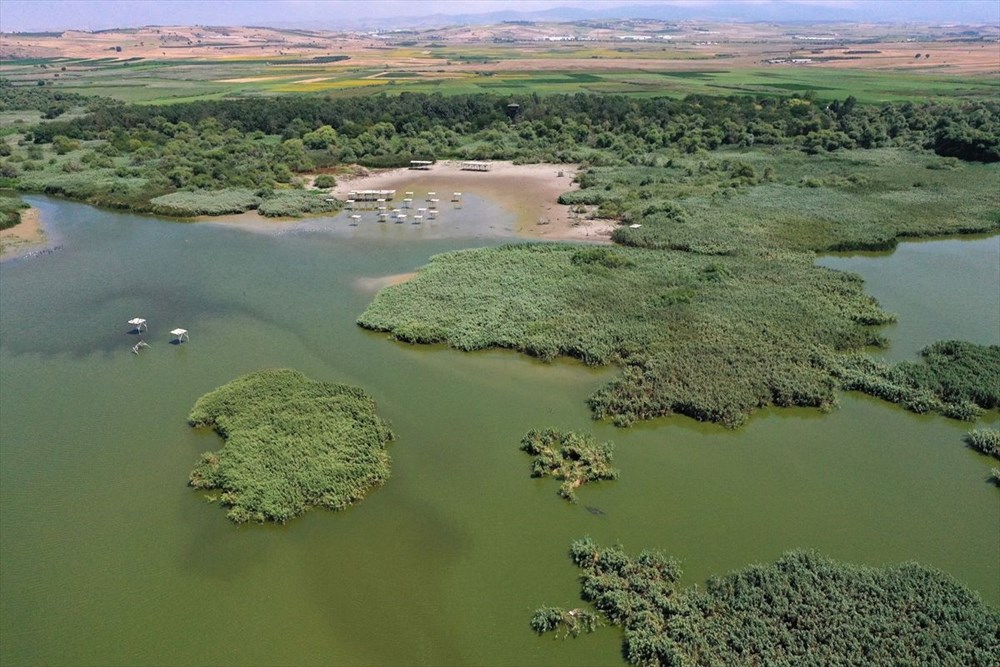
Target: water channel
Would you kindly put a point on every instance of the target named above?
(108, 557)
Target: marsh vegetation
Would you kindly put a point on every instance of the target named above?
(954, 378)
(291, 444)
(802, 609)
(712, 337)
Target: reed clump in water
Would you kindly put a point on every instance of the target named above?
(572, 457)
(291, 444)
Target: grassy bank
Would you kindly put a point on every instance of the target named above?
(291, 444)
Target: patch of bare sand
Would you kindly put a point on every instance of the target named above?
(23, 236)
(531, 191)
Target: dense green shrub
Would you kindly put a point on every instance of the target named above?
(10, 210)
(325, 181)
(804, 609)
(572, 457)
(291, 443)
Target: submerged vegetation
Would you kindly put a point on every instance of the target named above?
(291, 443)
(572, 457)
(802, 609)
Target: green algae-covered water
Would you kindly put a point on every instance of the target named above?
(107, 557)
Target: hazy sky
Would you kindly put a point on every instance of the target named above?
(36, 15)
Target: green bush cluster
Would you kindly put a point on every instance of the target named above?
(10, 210)
(804, 609)
(985, 440)
(291, 444)
(572, 457)
(710, 337)
(572, 622)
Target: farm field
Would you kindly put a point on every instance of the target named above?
(169, 65)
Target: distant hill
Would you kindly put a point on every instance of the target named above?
(898, 11)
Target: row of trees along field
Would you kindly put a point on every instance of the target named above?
(365, 125)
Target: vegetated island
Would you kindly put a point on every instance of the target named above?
(803, 609)
(291, 443)
(575, 458)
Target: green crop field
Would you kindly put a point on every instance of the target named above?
(158, 81)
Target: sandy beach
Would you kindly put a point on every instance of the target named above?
(24, 236)
(530, 191)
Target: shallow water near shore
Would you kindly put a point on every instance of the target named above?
(108, 557)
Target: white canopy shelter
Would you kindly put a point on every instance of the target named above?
(180, 334)
(138, 323)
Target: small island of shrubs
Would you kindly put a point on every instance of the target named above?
(804, 609)
(572, 457)
(291, 444)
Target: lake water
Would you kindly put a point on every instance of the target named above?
(108, 557)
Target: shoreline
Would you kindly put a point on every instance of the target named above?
(23, 237)
(530, 191)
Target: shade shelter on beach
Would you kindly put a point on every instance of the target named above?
(180, 335)
(476, 166)
(138, 324)
(420, 164)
